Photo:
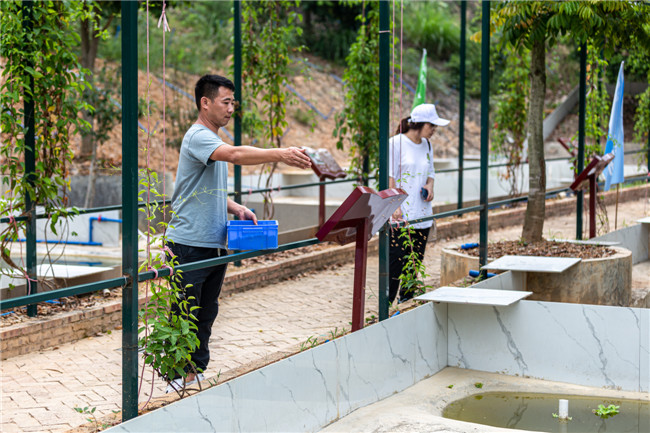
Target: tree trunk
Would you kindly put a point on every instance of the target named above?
(89, 46)
(534, 219)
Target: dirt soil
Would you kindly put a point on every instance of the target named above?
(316, 84)
(544, 248)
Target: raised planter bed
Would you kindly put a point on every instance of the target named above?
(602, 281)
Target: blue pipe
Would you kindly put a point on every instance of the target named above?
(473, 273)
(90, 234)
(98, 219)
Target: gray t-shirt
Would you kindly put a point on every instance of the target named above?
(200, 194)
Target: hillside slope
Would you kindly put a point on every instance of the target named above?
(321, 89)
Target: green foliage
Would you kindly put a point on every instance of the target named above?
(311, 342)
(598, 104)
(642, 115)
(431, 25)
(511, 108)
(606, 411)
(414, 272)
(269, 29)
(329, 28)
(269, 32)
(44, 57)
(168, 338)
(200, 39)
(101, 99)
(90, 411)
(357, 123)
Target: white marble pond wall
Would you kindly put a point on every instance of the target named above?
(590, 345)
(311, 389)
(581, 344)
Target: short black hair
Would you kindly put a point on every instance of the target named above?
(208, 86)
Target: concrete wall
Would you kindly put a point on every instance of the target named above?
(587, 345)
(311, 389)
(591, 345)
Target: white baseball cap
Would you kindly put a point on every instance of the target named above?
(427, 113)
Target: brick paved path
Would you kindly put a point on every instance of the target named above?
(41, 390)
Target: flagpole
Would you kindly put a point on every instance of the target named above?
(616, 212)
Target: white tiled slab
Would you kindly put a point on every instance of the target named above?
(466, 295)
(589, 242)
(532, 264)
(645, 220)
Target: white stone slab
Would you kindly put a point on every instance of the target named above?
(589, 242)
(466, 295)
(532, 264)
(645, 220)
(64, 271)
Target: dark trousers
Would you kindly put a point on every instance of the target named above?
(205, 288)
(397, 259)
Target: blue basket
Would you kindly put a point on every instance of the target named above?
(244, 235)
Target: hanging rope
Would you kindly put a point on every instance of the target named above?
(148, 211)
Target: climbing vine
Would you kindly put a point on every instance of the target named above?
(39, 65)
(269, 29)
(510, 115)
(598, 105)
(642, 115)
(357, 124)
(414, 272)
(168, 339)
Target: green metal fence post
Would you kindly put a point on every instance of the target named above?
(461, 101)
(581, 135)
(130, 209)
(238, 93)
(30, 163)
(485, 132)
(384, 96)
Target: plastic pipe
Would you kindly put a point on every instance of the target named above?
(98, 219)
(564, 409)
(473, 273)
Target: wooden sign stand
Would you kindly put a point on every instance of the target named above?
(588, 177)
(360, 216)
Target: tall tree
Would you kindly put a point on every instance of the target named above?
(96, 18)
(357, 122)
(538, 24)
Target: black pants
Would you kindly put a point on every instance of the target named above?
(205, 288)
(397, 258)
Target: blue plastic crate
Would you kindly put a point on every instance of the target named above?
(244, 235)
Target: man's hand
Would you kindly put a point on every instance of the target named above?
(241, 212)
(295, 157)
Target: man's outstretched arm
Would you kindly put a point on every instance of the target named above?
(249, 155)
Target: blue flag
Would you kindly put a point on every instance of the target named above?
(614, 171)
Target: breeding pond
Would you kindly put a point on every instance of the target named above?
(536, 412)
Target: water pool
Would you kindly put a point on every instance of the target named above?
(534, 411)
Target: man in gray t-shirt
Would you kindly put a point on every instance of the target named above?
(197, 230)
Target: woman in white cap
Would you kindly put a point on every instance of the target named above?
(411, 169)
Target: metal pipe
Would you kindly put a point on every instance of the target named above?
(485, 133)
(237, 66)
(30, 158)
(581, 135)
(384, 119)
(461, 101)
(130, 209)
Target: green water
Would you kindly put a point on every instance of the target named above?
(535, 412)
